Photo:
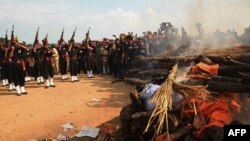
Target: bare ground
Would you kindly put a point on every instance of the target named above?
(42, 112)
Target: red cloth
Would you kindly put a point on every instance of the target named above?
(218, 113)
(204, 68)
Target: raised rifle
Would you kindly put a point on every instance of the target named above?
(73, 36)
(12, 36)
(88, 32)
(87, 37)
(61, 38)
(45, 40)
(6, 39)
(36, 38)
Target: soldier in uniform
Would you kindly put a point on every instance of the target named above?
(81, 60)
(130, 52)
(73, 47)
(111, 58)
(119, 60)
(63, 54)
(47, 59)
(124, 44)
(98, 59)
(3, 65)
(17, 54)
(29, 62)
(89, 58)
(9, 69)
(38, 73)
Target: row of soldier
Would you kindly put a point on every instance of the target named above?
(19, 62)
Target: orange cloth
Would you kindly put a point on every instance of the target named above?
(216, 113)
(202, 67)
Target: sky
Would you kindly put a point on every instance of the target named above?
(108, 17)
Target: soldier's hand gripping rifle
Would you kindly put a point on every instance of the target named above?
(61, 38)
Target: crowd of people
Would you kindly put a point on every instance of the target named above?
(19, 61)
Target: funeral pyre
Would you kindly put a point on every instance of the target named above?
(187, 97)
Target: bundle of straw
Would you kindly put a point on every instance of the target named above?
(163, 100)
(199, 93)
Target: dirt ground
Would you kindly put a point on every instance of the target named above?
(42, 112)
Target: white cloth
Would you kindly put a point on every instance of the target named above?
(146, 95)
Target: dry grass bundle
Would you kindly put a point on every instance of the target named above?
(193, 92)
(163, 100)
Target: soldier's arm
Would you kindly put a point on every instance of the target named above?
(49, 49)
(35, 47)
(70, 47)
(60, 47)
(5, 53)
(12, 51)
(22, 46)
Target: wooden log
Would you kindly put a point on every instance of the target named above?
(141, 114)
(180, 132)
(220, 60)
(153, 72)
(135, 70)
(168, 59)
(231, 70)
(239, 57)
(246, 75)
(227, 60)
(133, 81)
(226, 79)
(233, 61)
(216, 86)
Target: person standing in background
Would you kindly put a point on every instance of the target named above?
(55, 59)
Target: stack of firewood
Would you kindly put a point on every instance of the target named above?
(233, 76)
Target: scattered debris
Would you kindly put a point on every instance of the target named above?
(88, 131)
(61, 138)
(96, 100)
(67, 126)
